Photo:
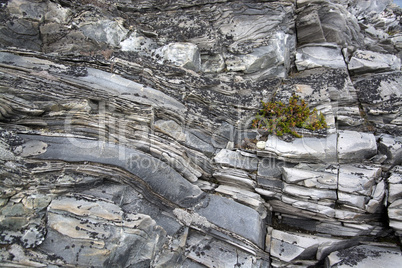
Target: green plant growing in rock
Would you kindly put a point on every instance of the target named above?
(279, 118)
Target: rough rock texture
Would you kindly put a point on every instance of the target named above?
(364, 256)
(126, 140)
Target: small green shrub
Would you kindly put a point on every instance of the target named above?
(279, 118)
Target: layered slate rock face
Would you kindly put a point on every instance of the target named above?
(126, 140)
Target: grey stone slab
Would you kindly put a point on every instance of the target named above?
(83, 230)
(309, 193)
(234, 217)
(365, 256)
(355, 146)
(358, 179)
(309, 28)
(106, 31)
(318, 86)
(376, 202)
(306, 149)
(23, 33)
(319, 55)
(31, 148)
(171, 128)
(270, 183)
(325, 21)
(183, 54)
(224, 134)
(212, 63)
(381, 98)
(369, 61)
(271, 167)
(395, 213)
(235, 177)
(28, 10)
(211, 252)
(236, 159)
(137, 42)
(288, 246)
(132, 201)
(358, 201)
(244, 196)
(310, 178)
(270, 60)
(392, 147)
(102, 81)
(199, 141)
(396, 175)
(5, 154)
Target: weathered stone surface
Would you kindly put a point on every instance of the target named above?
(395, 199)
(309, 178)
(76, 221)
(246, 197)
(392, 148)
(322, 209)
(233, 217)
(22, 225)
(315, 56)
(309, 28)
(212, 64)
(32, 148)
(185, 55)
(353, 200)
(355, 146)
(271, 60)
(365, 256)
(309, 193)
(357, 179)
(25, 9)
(348, 116)
(236, 159)
(201, 249)
(377, 198)
(104, 31)
(394, 212)
(369, 8)
(318, 86)
(395, 185)
(21, 33)
(304, 149)
(289, 246)
(138, 43)
(5, 153)
(200, 141)
(171, 128)
(368, 61)
(323, 21)
(235, 177)
(380, 95)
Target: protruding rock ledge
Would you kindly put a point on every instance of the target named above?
(306, 149)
